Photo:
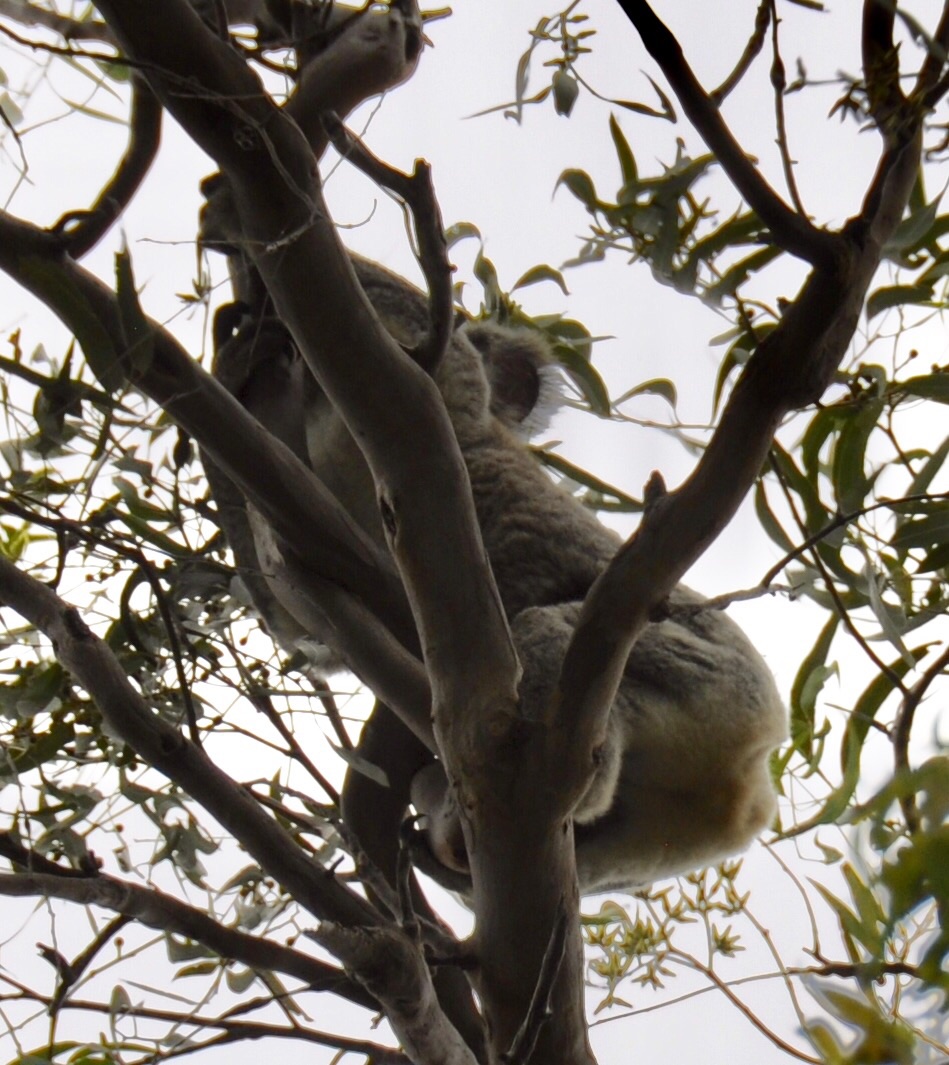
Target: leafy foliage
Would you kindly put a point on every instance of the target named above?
(99, 500)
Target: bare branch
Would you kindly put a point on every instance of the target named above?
(82, 230)
(375, 53)
(779, 84)
(84, 959)
(418, 192)
(233, 1030)
(748, 56)
(156, 909)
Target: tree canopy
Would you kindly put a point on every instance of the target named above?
(173, 741)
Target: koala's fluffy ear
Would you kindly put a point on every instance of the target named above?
(526, 386)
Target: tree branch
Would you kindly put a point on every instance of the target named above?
(233, 1030)
(92, 663)
(82, 230)
(390, 406)
(789, 230)
(71, 29)
(155, 909)
(791, 368)
(391, 967)
(932, 82)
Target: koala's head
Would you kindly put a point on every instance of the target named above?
(526, 387)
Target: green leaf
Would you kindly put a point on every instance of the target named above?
(938, 270)
(622, 502)
(585, 377)
(858, 726)
(913, 230)
(538, 274)
(43, 747)
(737, 275)
(816, 515)
(484, 270)
(851, 483)
(769, 521)
(361, 765)
(658, 386)
(581, 185)
(897, 296)
(461, 231)
(566, 90)
(627, 161)
(926, 532)
(239, 980)
(929, 386)
(811, 676)
(667, 111)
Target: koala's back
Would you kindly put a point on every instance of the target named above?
(545, 547)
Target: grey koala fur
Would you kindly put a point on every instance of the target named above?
(684, 778)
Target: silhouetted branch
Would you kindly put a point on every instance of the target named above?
(155, 909)
(82, 230)
(789, 230)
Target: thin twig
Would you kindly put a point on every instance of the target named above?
(238, 1029)
(779, 84)
(418, 192)
(84, 959)
(903, 727)
(748, 56)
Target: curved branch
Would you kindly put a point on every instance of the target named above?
(789, 230)
(390, 406)
(82, 230)
(791, 368)
(160, 911)
(418, 192)
(93, 664)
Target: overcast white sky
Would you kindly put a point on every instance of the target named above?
(501, 177)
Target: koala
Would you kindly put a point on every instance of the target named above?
(684, 779)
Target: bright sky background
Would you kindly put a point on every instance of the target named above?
(501, 177)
